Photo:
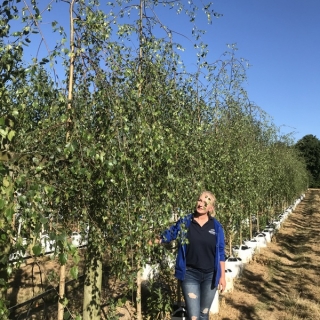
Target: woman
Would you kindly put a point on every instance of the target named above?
(200, 264)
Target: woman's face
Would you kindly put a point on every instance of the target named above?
(205, 204)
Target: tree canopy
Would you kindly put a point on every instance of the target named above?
(309, 148)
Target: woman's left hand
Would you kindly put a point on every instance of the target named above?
(222, 284)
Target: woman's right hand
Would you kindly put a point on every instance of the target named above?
(155, 241)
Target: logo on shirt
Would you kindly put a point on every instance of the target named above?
(212, 231)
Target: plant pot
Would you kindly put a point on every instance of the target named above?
(215, 304)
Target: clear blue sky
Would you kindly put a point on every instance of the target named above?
(281, 41)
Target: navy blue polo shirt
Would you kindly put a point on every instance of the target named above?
(201, 246)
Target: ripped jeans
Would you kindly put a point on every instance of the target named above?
(198, 293)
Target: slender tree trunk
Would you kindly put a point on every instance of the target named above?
(71, 69)
(92, 282)
(13, 224)
(92, 293)
(138, 300)
(62, 282)
(139, 309)
(5, 249)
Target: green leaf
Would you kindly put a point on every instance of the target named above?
(11, 134)
(65, 301)
(3, 133)
(74, 272)
(9, 214)
(9, 270)
(2, 203)
(43, 220)
(36, 249)
(63, 258)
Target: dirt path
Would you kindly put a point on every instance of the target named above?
(284, 280)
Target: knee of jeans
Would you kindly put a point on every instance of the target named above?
(194, 318)
(191, 295)
(205, 311)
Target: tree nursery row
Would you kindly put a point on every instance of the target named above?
(109, 130)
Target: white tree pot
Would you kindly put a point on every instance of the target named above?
(261, 239)
(234, 265)
(149, 271)
(229, 280)
(215, 304)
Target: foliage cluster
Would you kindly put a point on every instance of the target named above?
(309, 148)
(133, 145)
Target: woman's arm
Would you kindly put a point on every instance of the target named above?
(172, 233)
(222, 258)
(222, 281)
(221, 244)
(167, 236)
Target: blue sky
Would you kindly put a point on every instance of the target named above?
(279, 38)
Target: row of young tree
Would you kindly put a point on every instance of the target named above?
(128, 139)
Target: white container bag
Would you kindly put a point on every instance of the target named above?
(149, 271)
(234, 265)
(267, 234)
(229, 280)
(252, 244)
(215, 304)
(261, 239)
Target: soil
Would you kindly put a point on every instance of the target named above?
(281, 283)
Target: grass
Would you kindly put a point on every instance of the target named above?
(301, 309)
(282, 283)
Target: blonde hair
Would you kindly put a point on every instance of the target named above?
(212, 201)
(210, 194)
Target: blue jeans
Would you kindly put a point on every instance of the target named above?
(198, 293)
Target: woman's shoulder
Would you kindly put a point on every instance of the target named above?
(185, 219)
(217, 223)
